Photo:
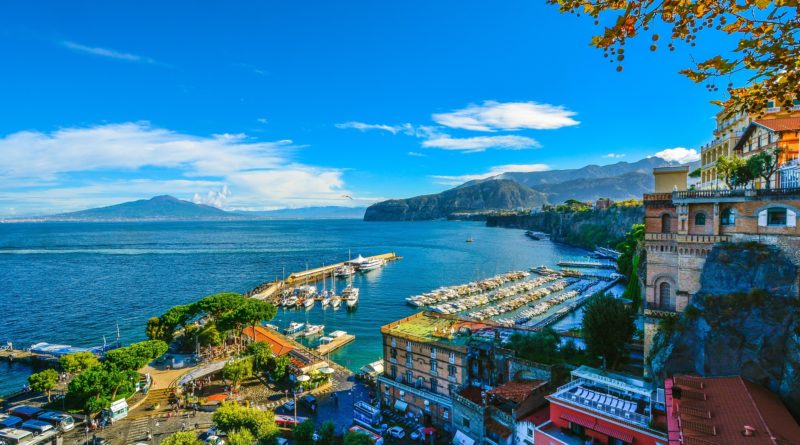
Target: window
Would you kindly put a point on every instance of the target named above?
(530, 432)
(393, 374)
(408, 346)
(666, 223)
(409, 377)
(451, 370)
(393, 353)
(576, 429)
(665, 296)
(465, 422)
(434, 366)
(409, 360)
(728, 217)
(615, 441)
(776, 217)
(434, 385)
(433, 353)
(699, 219)
(452, 357)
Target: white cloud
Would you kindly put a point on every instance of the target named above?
(614, 155)
(494, 171)
(679, 154)
(361, 126)
(480, 143)
(417, 154)
(495, 116)
(261, 120)
(70, 168)
(105, 52)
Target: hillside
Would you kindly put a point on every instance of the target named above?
(158, 208)
(486, 195)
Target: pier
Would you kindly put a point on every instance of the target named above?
(271, 290)
(587, 264)
(337, 343)
(15, 355)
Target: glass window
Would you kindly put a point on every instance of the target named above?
(393, 372)
(451, 370)
(728, 217)
(465, 421)
(666, 223)
(776, 217)
(409, 377)
(434, 385)
(576, 429)
(434, 365)
(699, 219)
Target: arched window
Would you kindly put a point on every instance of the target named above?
(728, 217)
(666, 223)
(665, 296)
(699, 219)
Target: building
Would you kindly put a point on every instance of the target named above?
(682, 226)
(432, 358)
(727, 134)
(526, 427)
(302, 360)
(603, 407)
(603, 203)
(771, 134)
(726, 411)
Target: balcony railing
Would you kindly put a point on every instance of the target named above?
(658, 196)
(660, 236)
(728, 193)
(702, 239)
(564, 393)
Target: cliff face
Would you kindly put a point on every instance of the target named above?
(745, 320)
(589, 229)
(500, 194)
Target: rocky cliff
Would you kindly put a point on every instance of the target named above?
(588, 229)
(745, 320)
(496, 194)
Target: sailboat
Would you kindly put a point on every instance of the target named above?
(335, 299)
(350, 294)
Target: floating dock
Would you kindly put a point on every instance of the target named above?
(337, 343)
(270, 291)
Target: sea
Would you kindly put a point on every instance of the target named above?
(83, 284)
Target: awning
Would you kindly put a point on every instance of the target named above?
(462, 439)
(400, 405)
(614, 432)
(583, 421)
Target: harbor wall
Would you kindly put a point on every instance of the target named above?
(588, 229)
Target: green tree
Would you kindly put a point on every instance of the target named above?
(278, 367)
(157, 330)
(137, 355)
(44, 381)
(241, 437)
(209, 336)
(184, 438)
(77, 362)
(763, 165)
(541, 346)
(261, 354)
(237, 371)
(767, 35)
(254, 311)
(327, 433)
(218, 304)
(230, 417)
(607, 327)
(733, 171)
(304, 433)
(95, 388)
(352, 438)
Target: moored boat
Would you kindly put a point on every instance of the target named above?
(294, 328)
(313, 329)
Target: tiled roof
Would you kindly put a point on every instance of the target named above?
(539, 416)
(781, 124)
(517, 391)
(716, 410)
(497, 428)
(279, 345)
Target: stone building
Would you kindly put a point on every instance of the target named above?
(431, 359)
(682, 226)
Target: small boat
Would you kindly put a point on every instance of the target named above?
(344, 271)
(326, 301)
(350, 295)
(469, 240)
(272, 326)
(308, 303)
(290, 301)
(313, 329)
(335, 302)
(294, 328)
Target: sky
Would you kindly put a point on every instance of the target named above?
(273, 104)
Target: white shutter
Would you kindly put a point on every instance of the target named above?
(762, 218)
(791, 218)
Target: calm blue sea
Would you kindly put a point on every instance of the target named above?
(73, 283)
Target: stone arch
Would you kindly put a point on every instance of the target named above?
(665, 291)
(700, 218)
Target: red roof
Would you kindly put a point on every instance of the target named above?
(279, 345)
(539, 416)
(497, 428)
(781, 124)
(614, 432)
(584, 421)
(517, 391)
(717, 410)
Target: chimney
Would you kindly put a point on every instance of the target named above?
(749, 431)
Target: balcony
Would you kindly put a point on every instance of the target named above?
(701, 239)
(657, 197)
(660, 236)
(419, 392)
(734, 195)
(627, 410)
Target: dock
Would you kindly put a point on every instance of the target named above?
(270, 291)
(337, 343)
(15, 355)
(587, 264)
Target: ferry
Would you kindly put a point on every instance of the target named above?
(371, 264)
(294, 328)
(313, 329)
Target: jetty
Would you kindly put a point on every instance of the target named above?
(270, 291)
(587, 264)
(335, 343)
(15, 355)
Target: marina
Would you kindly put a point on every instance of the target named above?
(334, 341)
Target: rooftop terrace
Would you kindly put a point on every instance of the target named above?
(442, 329)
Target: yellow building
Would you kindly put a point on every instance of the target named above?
(669, 179)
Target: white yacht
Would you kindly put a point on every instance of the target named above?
(294, 328)
(371, 264)
(350, 295)
(344, 271)
(313, 329)
(308, 303)
(335, 302)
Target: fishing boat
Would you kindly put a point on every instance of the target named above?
(313, 329)
(371, 264)
(294, 328)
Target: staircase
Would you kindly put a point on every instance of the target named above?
(160, 396)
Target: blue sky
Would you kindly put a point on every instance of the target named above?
(274, 104)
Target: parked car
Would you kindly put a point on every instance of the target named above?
(397, 432)
(417, 434)
(310, 401)
(289, 405)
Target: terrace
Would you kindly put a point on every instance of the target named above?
(438, 328)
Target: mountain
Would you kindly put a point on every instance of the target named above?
(485, 195)
(324, 212)
(158, 208)
(618, 181)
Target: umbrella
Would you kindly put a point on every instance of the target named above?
(327, 370)
(217, 397)
(303, 378)
(428, 430)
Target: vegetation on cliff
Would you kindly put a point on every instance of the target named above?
(632, 251)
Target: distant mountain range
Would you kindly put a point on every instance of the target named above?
(619, 181)
(169, 208)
